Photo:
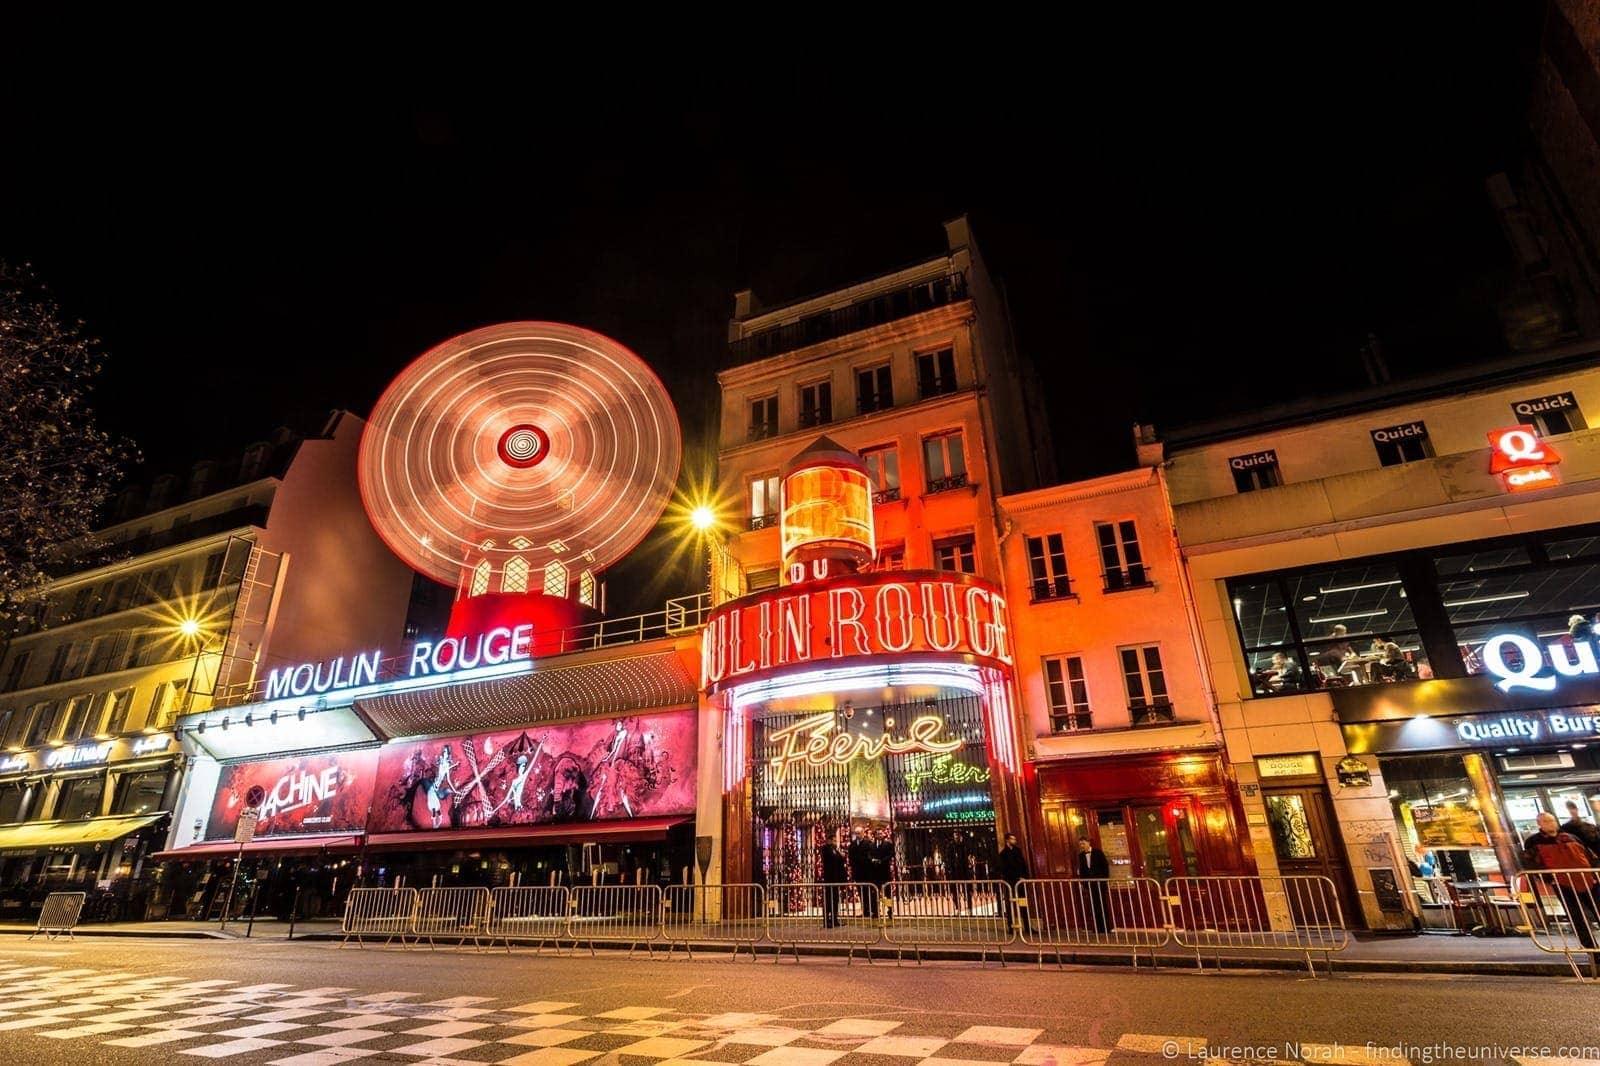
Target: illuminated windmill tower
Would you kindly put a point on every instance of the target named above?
(826, 517)
(516, 462)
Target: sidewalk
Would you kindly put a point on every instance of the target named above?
(1422, 954)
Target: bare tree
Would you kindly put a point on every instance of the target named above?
(57, 466)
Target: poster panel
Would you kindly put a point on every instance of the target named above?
(323, 793)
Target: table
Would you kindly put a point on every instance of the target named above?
(1360, 667)
(1478, 897)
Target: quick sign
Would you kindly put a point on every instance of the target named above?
(1528, 728)
(499, 645)
(1395, 434)
(1255, 459)
(1560, 401)
(1529, 669)
(830, 623)
(1521, 458)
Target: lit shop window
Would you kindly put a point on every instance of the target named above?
(1068, 693)
(944, 461)
(764, 417)
(883, 469)
(1047, 567)
(874, 389)
(763, 501)
(1147, 685)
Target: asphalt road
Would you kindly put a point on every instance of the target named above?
(464, 1006)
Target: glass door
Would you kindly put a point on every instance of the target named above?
(1155, 850)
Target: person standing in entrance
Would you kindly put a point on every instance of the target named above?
(1012, 865)
(1092, 865)
(1551, 849)
(883, 867)
(861, 872)
(1587, 832)
(833, 875)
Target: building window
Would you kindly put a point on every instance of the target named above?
(166, 704)
(936, 373)
(16, 668)
(883, 467)
(1068, 693)
(1047, 567)
(1551, 415)
(11, 797)
(83, 602)
(944, 460)
(757, 580)
(1120, 562)
(1405, 443)
(80, 797)
(764, 417)
(1147, 685)
(1257, 471)
(58, 664)
(874, 389)
(139, 793)
(892, 557)
(107, 653)
(955, 553)
(117, 705)
(555, 578)
(514, 577)
(43, 717)
(212, 576)
(75, 724)
(764, 501)
(816, 404)
(480, 578)
(586, 588)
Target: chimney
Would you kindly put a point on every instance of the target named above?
(1147, 445)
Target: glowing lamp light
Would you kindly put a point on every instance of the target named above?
(189, 627)
(702, 518)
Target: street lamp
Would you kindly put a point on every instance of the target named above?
(192, 628)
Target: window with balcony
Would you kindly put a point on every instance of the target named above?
(816, 404)
(16, 668)
(763, 501)
(1068, 693)
(874, 389)
(944, 461)
(1047, 568)
(936, 373)
(764, 417)
(1121, 565)
(1147, 685)
(883, 467)
(955, 553)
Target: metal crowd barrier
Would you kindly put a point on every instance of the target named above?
(847, 914)
(389, 912)
(461, 914)
(982, 914)
(1094, 914)
(59, 915)
(529, 912)
(721, 914)
(626, 914)
(1291, 912)
(1561, 911)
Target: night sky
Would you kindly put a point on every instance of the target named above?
(1187, 219)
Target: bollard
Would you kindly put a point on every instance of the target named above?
(255, 891)
(294, 912)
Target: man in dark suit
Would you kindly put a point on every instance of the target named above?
(833, 875)
(1092, 866)
(1012, 866)
(861, 863)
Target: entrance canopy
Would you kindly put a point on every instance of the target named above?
(530, 836)
(222, 849)
(68, 834)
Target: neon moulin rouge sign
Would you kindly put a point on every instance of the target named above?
(497, 646)
(814, 742)
(953, 617)
(1522, 460)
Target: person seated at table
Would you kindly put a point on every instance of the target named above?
(1579, 627)
(1391, 662)
(1335, 654)
(1287, 675)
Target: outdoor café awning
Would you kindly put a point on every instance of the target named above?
(529, 836)
(68, 834)
(223, 849)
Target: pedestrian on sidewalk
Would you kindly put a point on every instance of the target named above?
(1012, 866)
(1092, 865)
(861, 872)
(1552, 849)
(833, 875)
(1585, 831)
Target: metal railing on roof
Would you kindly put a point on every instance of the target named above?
(870, 311)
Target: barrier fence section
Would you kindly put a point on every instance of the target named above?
(59, 915)
(461, 914)
(720, 914)
(841, 913)
(625, 914)
(1094, 914)
(386, 912)
(1561, 910)
(1290, 912)
(529, 912)
(981, 914)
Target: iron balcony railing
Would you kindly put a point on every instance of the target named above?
(763, 521)
(1059, 588)
(1152, 713)
(943, 484)
(864, 314)
(928, 388)
(680, 615)
(886, 495)
(1130, 577)
(868, 402)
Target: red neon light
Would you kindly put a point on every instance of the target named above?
(1519, 448)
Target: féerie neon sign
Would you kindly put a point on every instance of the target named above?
(812, 741)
